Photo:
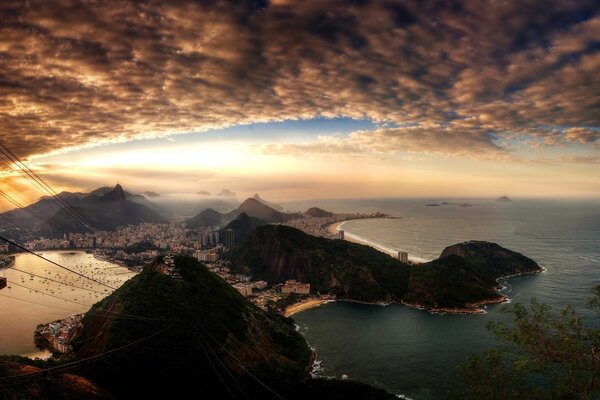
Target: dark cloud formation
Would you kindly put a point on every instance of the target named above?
(461, 74)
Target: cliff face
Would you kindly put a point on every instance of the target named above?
(348, 270)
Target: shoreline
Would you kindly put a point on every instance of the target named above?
(334, 227)
(470, 308)
(304, 305)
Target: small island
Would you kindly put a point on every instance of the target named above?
(503, 199)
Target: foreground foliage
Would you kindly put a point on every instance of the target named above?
(551, 355)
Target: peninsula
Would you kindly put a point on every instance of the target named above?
(463, 278)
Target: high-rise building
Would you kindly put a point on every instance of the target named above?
(217, 241)
(229, 238)
(204, 239)
(403, 256)
(340, 235)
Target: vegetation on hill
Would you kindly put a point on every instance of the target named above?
(449, 282)
(216, 342)
(348, 270)
(465, 274)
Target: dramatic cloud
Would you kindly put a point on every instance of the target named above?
(436, 140)
(464, 76)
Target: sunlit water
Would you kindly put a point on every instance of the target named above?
(29, 301)
(414, 353)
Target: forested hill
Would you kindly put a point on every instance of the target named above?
(465, 274)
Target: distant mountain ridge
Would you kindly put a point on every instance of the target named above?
(317, 212)
(47, 207)
(251, 207)
(104, 212)
(274, 206)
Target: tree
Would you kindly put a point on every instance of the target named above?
(549, 355)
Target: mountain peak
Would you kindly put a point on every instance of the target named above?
(117, 194)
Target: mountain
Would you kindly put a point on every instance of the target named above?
(105, 212)
(503, 199)
(251, 207)
(47, 207)
(464, 276)
(243, 226)
(206, 218)
(257, 209)
(268, 203)
(496, 259)
(348, 270)
(151, 194)
(316, 212)
(208, 339)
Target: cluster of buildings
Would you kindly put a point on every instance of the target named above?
(134, 244)
(210, 255)
(293, 286)
(56, 336)
(241, 282)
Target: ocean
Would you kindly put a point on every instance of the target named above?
(416, 354)
(29, 300)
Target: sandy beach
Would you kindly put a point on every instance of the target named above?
(336, 226)
(304, 305)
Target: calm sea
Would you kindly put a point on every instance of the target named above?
(413, 353)
(29, 300)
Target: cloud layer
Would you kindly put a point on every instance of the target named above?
(463, 77)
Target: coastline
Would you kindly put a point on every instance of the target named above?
(304, 305)
(334, 227)
(470, 308)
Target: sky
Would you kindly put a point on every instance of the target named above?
(304, 100)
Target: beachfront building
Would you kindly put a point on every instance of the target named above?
(340, 235)
(293, 286)
(403, 256)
